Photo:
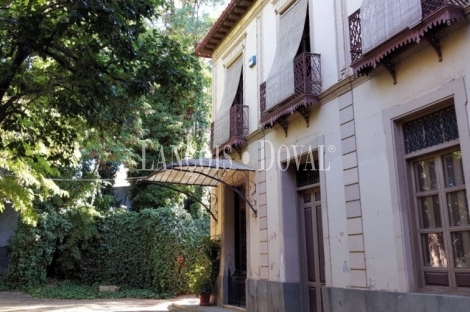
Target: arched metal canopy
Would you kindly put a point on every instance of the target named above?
(204, 172)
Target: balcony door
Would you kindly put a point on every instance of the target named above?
(313, 256)
(304, 46)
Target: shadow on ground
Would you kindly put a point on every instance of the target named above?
(19, 302)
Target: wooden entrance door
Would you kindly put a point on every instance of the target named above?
(236, 289)
(313, 256)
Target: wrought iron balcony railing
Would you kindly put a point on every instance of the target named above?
(238, 130)
(436, 14)
(307, 87)
(238, 121)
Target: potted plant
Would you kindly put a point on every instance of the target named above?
(203, 276)
(200, 282)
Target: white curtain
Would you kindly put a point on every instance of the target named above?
(222, 119)
(383, 19)
(280, 82)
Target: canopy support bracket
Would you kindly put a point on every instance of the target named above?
(242, 196)
(190, 196)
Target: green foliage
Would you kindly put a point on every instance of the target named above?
(133, 250)
(181, 124)
(199, 279)
(203, 274)
(76, 79)
(63, 233)
(23, 180)
(72, 290)
(210, 248)
(152, 196)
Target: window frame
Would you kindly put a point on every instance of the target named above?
(446, 229)
(392, 118)
(407, 162)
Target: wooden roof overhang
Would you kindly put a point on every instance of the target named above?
(222, 27)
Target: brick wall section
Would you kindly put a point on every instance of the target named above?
(357, 264)
(262, 215)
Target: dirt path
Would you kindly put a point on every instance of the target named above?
(19, 302)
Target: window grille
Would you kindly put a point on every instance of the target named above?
(431, 130)
(306, 175)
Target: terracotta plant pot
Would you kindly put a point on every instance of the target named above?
(204, 300)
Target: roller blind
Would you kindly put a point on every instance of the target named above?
(383, 19)
(222, 119)
(280, 81)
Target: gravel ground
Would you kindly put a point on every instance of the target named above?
(19, 302)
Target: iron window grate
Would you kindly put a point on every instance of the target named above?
(307, 175)
(431, 130)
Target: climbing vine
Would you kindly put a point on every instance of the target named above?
(152, 249)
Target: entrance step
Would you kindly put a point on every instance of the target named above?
(234, 308)
(195, 307)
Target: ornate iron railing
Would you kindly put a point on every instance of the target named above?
(236, 288)
(307, 81)
(307, 75)
(238, 129)
(238, 121)
(355, 35)
(262, 98)
(428, 8)
(431, 6)
(431, 130)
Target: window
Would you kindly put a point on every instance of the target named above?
(439, 201)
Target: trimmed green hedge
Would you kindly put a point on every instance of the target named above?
(135, 250)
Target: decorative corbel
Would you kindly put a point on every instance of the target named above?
(305, 112)
(282, 121)
(238, 148)
(435, 43)
(390, 68)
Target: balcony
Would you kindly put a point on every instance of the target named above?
(238, 131)
(307, 87)
(436, 15)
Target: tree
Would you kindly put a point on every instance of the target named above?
(73, 77)
(183, 124)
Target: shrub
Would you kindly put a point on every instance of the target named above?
(130, 249)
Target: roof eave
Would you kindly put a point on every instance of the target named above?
(222, 27)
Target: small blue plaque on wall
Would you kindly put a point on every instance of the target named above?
(252, 61)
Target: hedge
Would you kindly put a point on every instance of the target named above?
(151, 249)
